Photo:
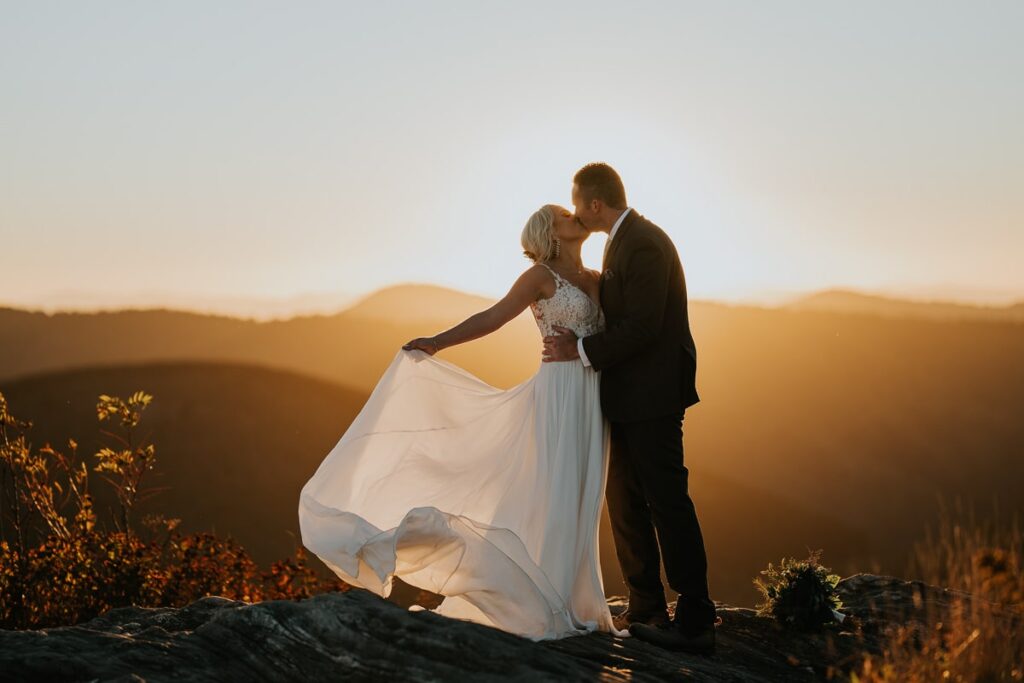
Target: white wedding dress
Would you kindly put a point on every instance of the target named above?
(489, 497)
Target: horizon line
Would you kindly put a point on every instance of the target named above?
(260, 309)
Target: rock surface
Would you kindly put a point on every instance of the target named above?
(359, 636)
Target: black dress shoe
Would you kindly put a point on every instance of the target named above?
(674, 637)
(624, 619)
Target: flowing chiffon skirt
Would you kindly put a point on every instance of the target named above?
(489, 497)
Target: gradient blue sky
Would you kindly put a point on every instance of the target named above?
(273, 149)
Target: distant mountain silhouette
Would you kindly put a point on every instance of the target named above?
(236, 443)
(846, 301)
(862, 418)
(417, 303)
(352, 347)
(255, 307)
(868, 418)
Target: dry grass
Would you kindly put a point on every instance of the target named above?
(979, 635)
(63, 567)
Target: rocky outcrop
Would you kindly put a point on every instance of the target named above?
(356, 636)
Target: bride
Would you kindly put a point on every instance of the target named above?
(489, 497)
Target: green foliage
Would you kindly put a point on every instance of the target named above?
(799, 593)
(70, 569)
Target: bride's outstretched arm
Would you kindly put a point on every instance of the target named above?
(526, 289)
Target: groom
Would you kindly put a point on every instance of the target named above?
(648, 365)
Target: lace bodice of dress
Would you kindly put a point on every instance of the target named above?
(569, 307)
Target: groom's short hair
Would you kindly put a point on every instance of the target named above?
(600, 181)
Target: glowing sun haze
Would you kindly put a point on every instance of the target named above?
(254, 149)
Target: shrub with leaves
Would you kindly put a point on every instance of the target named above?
(62, 567)
(799, 593)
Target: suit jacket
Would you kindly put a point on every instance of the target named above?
(646, 354)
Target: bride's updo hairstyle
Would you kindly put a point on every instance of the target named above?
(538, 242)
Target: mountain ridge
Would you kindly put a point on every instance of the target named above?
(847, 300)
(865, 418)
(235, 443)
(392, 296)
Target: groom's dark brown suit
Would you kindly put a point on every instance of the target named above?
(648, 362)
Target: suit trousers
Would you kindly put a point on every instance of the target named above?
(649, 506)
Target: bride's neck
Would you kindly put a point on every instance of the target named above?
(569, 258)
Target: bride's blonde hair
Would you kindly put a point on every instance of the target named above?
(537, 238)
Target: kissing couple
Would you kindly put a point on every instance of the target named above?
(492, 497)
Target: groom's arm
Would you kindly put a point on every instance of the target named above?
(645, 291)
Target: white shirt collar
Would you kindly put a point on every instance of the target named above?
(611, 235)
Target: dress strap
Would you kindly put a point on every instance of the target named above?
(558, 278)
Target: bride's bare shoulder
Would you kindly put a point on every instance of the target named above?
(538, 272)
(540, 278)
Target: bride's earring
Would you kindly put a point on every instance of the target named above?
(558, 247)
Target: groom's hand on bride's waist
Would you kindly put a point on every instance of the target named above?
(561, 346)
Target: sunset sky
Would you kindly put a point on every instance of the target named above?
(257, 149)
